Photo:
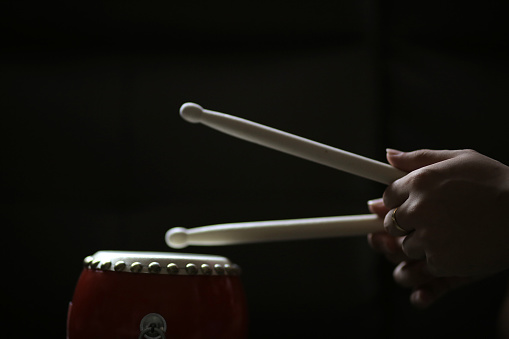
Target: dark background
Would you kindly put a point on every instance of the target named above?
(96, 157)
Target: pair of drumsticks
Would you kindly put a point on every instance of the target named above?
(308, 228)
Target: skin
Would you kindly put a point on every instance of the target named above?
(413, 274)
(452, 206)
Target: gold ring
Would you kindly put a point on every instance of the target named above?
(396, 223)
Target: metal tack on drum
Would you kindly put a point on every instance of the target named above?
(106, 265)
(191, 269)
(119, 266)
(172, 268)
(206, 269)
(154, 267)
(87, 261)
(219, 269)
(125, 295)
(136, 267)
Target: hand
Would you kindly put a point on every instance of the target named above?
(426, 288)
(454, 208)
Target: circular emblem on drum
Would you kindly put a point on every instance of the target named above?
(161, 263)
(152, 326)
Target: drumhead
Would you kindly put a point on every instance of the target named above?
(161, 263)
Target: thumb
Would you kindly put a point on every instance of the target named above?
(410, 161)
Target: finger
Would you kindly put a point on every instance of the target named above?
(396, 193)
(412, 273)
(425, 295)
(377, 242)
(392, 223)
(413, 247)
(410, 161)
(384, 243)
(399, 191)
(388, 245)
(377, 207)
(396, 258)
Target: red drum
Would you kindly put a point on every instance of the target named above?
(150, 295)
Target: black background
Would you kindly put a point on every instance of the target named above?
(95, 155)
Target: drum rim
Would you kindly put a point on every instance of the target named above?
(169, 263)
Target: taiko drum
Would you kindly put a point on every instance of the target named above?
(157, 295)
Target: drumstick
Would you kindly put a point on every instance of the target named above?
(265, 231)
(291, 144)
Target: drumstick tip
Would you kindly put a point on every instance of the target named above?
(176, 237)
(191, 112)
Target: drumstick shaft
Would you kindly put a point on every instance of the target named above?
(277, 230)
(292, 144)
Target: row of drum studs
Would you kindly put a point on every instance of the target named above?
(155, 267)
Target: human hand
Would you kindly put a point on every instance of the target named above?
(414, 274)
(453, 207)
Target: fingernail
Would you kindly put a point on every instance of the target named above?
(375, 201)
(391, 151)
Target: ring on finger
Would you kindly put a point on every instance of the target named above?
(395, 222)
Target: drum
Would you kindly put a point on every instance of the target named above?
(151, 295)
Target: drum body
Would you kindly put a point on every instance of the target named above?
(157, 295)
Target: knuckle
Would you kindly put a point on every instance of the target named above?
(467, 153)
(411, 210)
(407, 251)
(416, 178)
(385, 197)
(388, 224)
(424, 153)
(435, 271)
(434, 266)
(418, 209)
(398, 274)
(405, 274)
(388, 197)
(470, 151)
(422, 177)
(412, 247)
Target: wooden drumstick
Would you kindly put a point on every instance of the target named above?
(276, 230)
(292, 144)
